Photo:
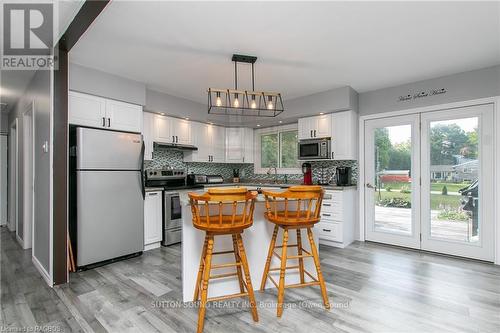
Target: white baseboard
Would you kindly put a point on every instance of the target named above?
(42, 271)
(20, 241)
(152, 246)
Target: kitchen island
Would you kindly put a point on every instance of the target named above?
(256, 240)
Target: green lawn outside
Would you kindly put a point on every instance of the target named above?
(452, 187)
(438, 201)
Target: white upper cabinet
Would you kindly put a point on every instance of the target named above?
(162, 130)
(181, 130)
(172, 130)
(124, 116)
(315, 127)
(345, 135)
(147, 134)
(239, 145)
(210, 141)
(93, 111)
(87, 110)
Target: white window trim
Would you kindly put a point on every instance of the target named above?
(257, 141)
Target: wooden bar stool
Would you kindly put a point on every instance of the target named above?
(223, 212)
(297, 208)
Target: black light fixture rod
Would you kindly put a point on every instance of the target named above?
(235, 75)
(253, 79)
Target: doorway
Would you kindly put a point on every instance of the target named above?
(428, 181)
(28, 175)
(13, 176)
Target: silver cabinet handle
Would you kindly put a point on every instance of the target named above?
(327, 230)
(332, 155)
(314, 133)
(176, 139)
(109, 122)
(173, 139)
(152, 194)
(327, 214)
(325, 204)
(103, 121)
(311, 133)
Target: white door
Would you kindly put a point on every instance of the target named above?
(182, 130)
(147, 135)
(323, 126)
(124, 116)
(87, 110)
(392, 193)
(457, 188)
(13, 176)
(162, 130)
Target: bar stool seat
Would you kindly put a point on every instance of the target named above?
(223, 212)
(297, 208)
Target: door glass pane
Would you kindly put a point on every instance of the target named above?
(393, 212)
(454, 179)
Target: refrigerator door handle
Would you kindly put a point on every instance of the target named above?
(143, 189)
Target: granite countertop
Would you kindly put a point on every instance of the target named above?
(258, 184)
(153, 189)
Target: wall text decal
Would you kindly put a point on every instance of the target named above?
(421, 94)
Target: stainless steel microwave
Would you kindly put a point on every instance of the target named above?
(314, 149)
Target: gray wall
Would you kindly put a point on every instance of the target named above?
(174, 106)
(95, 82)
(38, 91)
(340, 99)
(4, 123)
(460, 87)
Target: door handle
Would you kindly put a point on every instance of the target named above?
(370, 185)
(109, 122)
(314, 133)
(103, 121)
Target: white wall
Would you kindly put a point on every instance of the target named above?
(39, 91)
(460, 87)
(95, 82)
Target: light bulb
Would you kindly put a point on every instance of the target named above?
(236, 102)
(253, 104)
(270, 105)
(218, 100)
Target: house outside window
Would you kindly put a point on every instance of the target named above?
(277, 147)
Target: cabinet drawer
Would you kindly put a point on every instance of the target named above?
(331, 207)
(333, 197)
(332, 216)
(330, 231)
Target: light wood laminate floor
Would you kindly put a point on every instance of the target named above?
(373, 288)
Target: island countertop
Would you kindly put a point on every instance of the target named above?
(256, 240)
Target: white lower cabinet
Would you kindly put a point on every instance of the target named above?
(338, 218)
(152, 220)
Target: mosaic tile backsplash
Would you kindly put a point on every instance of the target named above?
(164, 157)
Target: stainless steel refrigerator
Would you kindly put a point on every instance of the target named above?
(109, 195)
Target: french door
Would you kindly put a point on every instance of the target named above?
(429, 181)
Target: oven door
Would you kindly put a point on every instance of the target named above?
(173, 211)
(309, 150)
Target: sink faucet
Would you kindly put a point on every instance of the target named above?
(275, 174)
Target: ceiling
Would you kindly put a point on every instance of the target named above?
(182, 48)
(14, 83)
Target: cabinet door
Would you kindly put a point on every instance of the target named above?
(248, 146)
(162, 130)
(323, 128)
(201, 140)
(147, 134)
(218, 140)
(123, 116)
(152, 217)
(344, 135)
(181, 129)
(305, 128)
(235, 152)
(86, 110)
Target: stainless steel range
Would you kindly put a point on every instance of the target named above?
(171, 180)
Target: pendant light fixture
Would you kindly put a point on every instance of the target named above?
(234, 102)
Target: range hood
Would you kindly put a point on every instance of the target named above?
(175, 146)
